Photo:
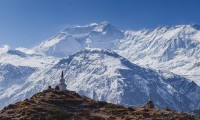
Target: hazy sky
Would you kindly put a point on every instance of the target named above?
(25, 23)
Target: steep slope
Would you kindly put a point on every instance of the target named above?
(175, 49)
(106, 76)
(56, 105)
(15, 69)
(76, 38)
(11, 79)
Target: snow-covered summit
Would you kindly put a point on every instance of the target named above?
(87, 29)
(76, 38)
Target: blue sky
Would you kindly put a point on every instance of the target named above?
(25, 23)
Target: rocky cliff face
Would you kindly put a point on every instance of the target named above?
(52, 104)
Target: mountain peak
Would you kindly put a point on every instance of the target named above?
(98, 27)
(105, 22)
(76, 38)
(105, 26)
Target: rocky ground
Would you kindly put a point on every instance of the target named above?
(52, 104)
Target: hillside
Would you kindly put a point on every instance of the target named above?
(52, 104)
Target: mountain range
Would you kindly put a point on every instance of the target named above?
(171, 48)
(159, 64)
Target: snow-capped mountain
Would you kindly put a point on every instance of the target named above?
(19, 58)
(16, 67)
(173, 48)
(76, 38)
(104, 75)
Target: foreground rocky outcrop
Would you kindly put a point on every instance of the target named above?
(52, 104)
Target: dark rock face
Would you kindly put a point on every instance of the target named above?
(53, 104)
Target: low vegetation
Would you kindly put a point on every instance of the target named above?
(52, 104)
